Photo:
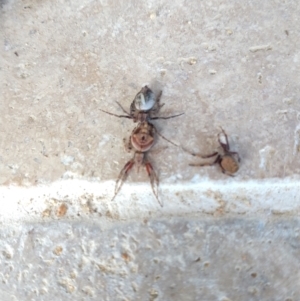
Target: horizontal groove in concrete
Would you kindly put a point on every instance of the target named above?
(76, 199)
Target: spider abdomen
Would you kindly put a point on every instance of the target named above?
(142, 137)
(229, 164)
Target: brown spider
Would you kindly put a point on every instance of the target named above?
(228, 160)
(141, 139)
(143, 107)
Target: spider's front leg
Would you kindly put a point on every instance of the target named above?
(199, 155)
(236, 154)
(157, 105)
(123, 176)
(225, 146)
(207, 164)
(166, 117)
(129, 116)
(153, 180)
(116, 115)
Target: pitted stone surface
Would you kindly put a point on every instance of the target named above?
(174, 259)
(227, 64)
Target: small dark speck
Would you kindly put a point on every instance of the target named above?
(253, 275)
(27, 7)
(286, 32)
(259, 78)
(198, 259)
(16, 53)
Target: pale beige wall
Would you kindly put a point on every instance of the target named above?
(232, 64)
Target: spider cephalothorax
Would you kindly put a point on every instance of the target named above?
(144, 107)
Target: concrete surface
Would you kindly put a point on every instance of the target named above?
(227, 64)
(174, 259)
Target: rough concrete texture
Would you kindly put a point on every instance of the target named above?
(174, 259)
(232, 64)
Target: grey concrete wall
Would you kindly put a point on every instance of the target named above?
(232, 64)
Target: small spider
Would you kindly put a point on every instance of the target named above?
(143, 107)
(228, 160)
(141, 139)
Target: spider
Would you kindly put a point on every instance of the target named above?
(141, 139)
(228, 160)
(143, 107)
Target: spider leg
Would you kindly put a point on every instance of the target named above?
(157, 106)
(224, 146)
(165, 117)
(157, 101)
(122, 177)
(120, 116)
(217, 160)
(158, 98)
(167, 139)
(127, 144)
(236, 154)
(209, 156)
(159, 134)
(122, 108)
(199, 155)
(153, 180)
